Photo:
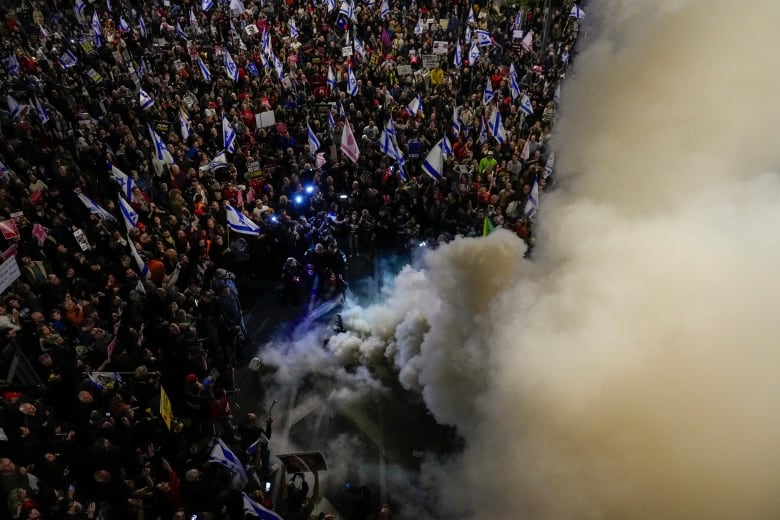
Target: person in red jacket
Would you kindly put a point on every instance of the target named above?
(170, 490)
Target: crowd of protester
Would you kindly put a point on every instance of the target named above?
(103, 317)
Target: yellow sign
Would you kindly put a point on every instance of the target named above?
(165, 408)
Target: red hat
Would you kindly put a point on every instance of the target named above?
(192, 378)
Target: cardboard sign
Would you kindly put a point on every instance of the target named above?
(517, 34)
(430, 61)
(346, 51)
(404, 70)
(166, 411)
(9, 272)
(251, 29)
(9, 229)
(440, 47)
(82, 240)
(305, 461)
(265, 119)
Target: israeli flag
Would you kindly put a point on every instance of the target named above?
(193, 19)
(419, 29)
(314, 143)
(181, 32)
(549, 165)
(483, 38)
(94, 207)
(237, 8)
(433, 165)
(184, 124)
(359, 47)
(414, 106)
(206, 4)
(458, 60)
(532, 206)
(468, 34)
(228, 135)
(109, 6)
(79, 8)
(254, 509)
(293, 29)
(204, 70)
(483, 135)
(352, 84)
(145, 100)
(43, 116)
(265, 43)
(278, 66)
(470, 19)
(96, 27)
(331, 122)
(12, 65)
(474, 53)
(331, 78)
(160, 150)
(13, 106)
(68, 60)
(496, 125)
(348, 9)
(125, 181)
(518, 22)
(488, 93)
(142, 27)
(445, 145)
(129, 215)
(577, 13)
(252, 68)
(123, 25)
(96, 40)
(239, 223)
(513, 85)
(388, 142)
(331, 6)
(525, 105)
(230, 67)
(141, 70)
(219, 160)
(143, 271)
(456, 121)
(384, 9)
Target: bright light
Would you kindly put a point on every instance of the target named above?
(309, 189)
(298, 199)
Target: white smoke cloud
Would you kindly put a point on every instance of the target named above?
(630, 370)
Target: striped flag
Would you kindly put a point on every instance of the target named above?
(12, 65)
(549, 165)
(96, 27)
(496, 126)
(204, 70)
(143, 271)
(474, 53)
(193, 19)
(184, 123)
(254, 509)
(331, 79)
(278, 65)
(483, 38)
(384, 9)
(525, 105)
(445, 145)
(94, 207)
(221, 453)
(129, 215)
(123, 25)
(293, 28)
(13, 106)
(331, 122)
(68, 60)
(125, 181)
(314, 142)
(160, 150)
(458, 60)
(228, 135)
(230, 67)
(532, 205)
(433, 165)
(514, 87)
(488, 93)
(142, 27)
(239, 223)
(206, 4)
(181, 32)
(414, 106)
(470, 18)
(43, 116)
(145, 100)
(352, 84)
(456, 121)
(577, 13)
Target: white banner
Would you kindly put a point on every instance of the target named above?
(9, 272)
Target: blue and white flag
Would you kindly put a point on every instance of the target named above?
(96, 27)
(414, 106)
(123, 25)
(125, 181)
(278, 66)
(496, 126)
(206, 4)
(331, 81)
(237, 8)
(181, 32)
(252, 68)
(549, 165)
(145, 101)
(433, 165)
(331, 122)
(483, 38)
(219, 160)
(12, 65)
(532, 206)
(468, 34)
(474, 54)
(348, 9)
(97, 41)
(384, 9)
(129, 215)
(160, 150)
(230, 67)
(419, 28)
(143, 271)
(456, 121)
(265, 43)
(204, 70)
(458, 60)
(359, 47)
(388, 141)
(525, 105)
(254, 509)
(482, 137)
(293, 28)
(79, 9)
(314, 143)
(68, 60)
(514, 87)
(142, 27)
(43, 116)
(352, 84)
(141, 70)
(228, 135)
(239, 223)
(184, 123)
(331, 6)
(488, 93)
(109, 6)
(94, 207)
(193, 19)
(445, 145)
(470, 18)
(4, 170)
(13, 106)
(518, 21)
(342, 113)
(577, 13)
